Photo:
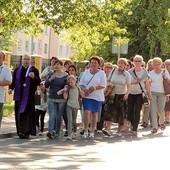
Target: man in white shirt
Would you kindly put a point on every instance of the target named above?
(5, 80)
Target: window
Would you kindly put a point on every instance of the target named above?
(33, 47)
(20, 45)
(46, 30)
(45, 48)
(60, 50)
(67, 49)
(27, 46)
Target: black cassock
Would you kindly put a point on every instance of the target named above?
(25, 121)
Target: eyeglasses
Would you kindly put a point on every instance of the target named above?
(137, 60)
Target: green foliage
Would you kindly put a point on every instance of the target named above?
(14, 16)
(147, 23)
(91, 24)
(6, 41)
(8, 109)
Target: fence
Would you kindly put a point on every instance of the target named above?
(13, 61)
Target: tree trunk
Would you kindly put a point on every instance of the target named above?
(158, 50)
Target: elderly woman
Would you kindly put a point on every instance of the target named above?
(92, 83)
(122, 80)
(106, 114)
(135, 100)
(129, 65)
(107, 68)
(56, 103)
(158, 94)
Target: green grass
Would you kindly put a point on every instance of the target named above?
(8, 109)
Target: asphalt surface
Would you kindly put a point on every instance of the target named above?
(143, 152)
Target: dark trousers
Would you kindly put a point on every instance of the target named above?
(16, 116)
(134, 108)
(40, 115)
(25, 122)
(100, 124)
(65, 118)
(119, 107)
(1, 112)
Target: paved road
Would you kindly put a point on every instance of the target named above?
(147, 151)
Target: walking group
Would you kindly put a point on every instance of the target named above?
(105, 93)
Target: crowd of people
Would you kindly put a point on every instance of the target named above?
(105, 93)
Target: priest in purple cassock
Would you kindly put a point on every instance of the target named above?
(25, 81)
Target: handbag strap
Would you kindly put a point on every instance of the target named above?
(91, 79)
(163, 73)
(111, 75)
(138, 82)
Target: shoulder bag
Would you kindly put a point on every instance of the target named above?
(166, 86)
(144, 96)
(109, 91)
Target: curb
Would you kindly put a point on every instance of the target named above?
(12, 134)
(8, 135)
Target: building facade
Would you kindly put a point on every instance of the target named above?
(47, 45)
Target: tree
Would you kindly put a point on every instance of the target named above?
(14, 16)
(147, 24)
(90, 24)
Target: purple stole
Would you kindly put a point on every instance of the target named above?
(24, 98)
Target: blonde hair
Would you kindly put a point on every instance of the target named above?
(157, 60)
(150, 61)
(138, 57)
(167, 61)
(71, 77)
(124, 60)
(108, 63)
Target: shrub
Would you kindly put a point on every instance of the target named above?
(8, 109)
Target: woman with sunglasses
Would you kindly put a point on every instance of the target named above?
(135, 100)
(106, 115)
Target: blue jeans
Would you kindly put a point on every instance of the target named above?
(55, 116)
